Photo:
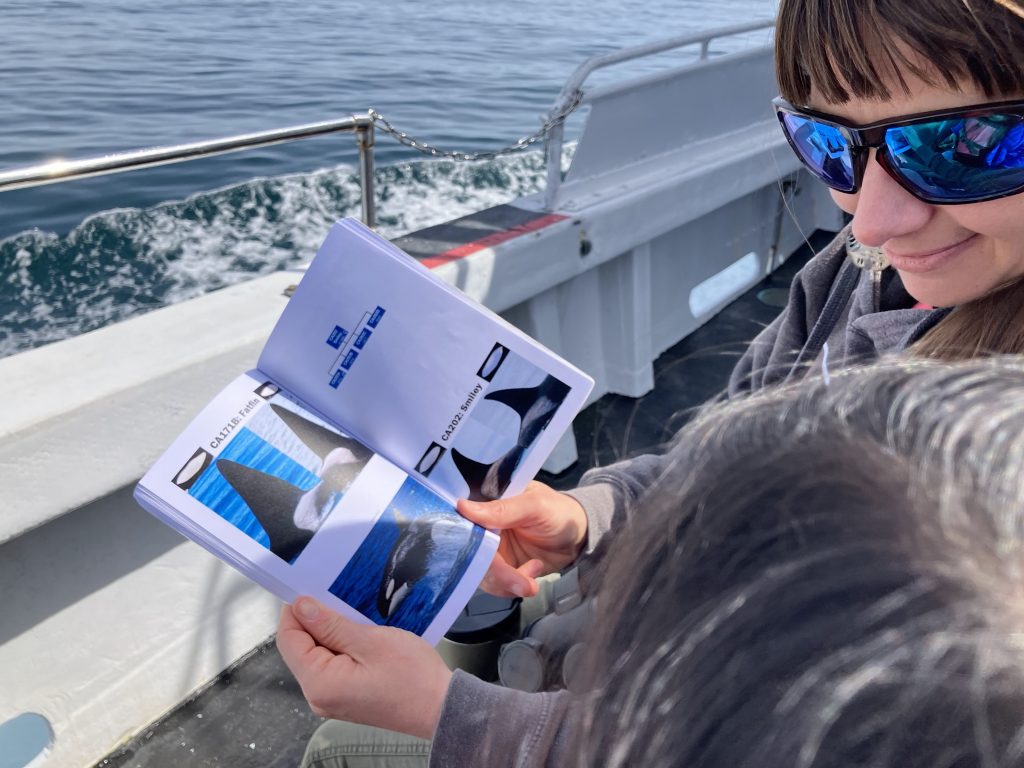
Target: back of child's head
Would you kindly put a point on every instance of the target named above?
(827, 576)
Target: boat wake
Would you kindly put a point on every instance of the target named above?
(120, 263)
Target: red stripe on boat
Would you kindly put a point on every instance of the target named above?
(490, 241)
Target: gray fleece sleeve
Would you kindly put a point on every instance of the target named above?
(770, 356)
(485, 724)
(609, 494)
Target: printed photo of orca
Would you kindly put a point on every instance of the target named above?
(429, 459)
(410, 563)
(501, 429)
(280, 477)
(493, 362)
(535, 407)
(192, 469)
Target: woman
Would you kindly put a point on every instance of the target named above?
(940, 199)
(938, 196)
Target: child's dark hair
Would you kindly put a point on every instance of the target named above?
(829, 576)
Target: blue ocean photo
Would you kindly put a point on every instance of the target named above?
(250, 450)
(410, 563)
(279, 478)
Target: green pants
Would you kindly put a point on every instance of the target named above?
(344, 745)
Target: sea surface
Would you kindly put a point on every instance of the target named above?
(80, 78)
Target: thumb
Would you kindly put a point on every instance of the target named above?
(496, 515)
(329, 628)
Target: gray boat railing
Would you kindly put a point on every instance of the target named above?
(57, 171)
(572, 91)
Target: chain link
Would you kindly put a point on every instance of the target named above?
(553, 120)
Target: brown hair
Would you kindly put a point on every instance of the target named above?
(844, 48)
(992, 324)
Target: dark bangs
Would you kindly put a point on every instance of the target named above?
(851, 48)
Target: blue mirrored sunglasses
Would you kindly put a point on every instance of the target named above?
(963, 155)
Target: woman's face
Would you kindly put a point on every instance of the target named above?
(945, 254)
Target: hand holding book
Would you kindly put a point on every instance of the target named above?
(382, 396)
(377, 676)
(542, 531)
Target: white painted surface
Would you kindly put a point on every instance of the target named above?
(97, 637)
(721, 288)
(111, 619)
(90, 414)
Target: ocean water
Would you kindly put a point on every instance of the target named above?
(250, 450)
(88, 77)
(434, 555)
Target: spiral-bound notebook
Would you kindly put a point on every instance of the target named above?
(382, 396)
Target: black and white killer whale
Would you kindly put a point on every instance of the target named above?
(426, 545)
(536, 406)
(289, 515)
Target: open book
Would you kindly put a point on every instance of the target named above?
(382, 396)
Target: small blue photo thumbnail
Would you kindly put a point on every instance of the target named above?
(337, 337)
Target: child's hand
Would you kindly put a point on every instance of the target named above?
(542, 531)
(379, 676)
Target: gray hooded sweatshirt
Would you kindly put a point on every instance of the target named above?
(486, 724)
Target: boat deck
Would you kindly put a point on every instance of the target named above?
(254, 713)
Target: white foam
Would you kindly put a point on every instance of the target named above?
(182, 249)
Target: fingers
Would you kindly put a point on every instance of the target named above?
(293, 642)
(532, 569)
(502, 580)
(498, 515)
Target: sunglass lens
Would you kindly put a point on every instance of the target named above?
(823, 149)
(960, 160)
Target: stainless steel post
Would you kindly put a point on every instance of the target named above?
(365, 140)
(553, 161)
(786, 189)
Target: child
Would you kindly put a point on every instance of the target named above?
(830, 578)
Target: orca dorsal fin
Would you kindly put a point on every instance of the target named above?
(272, 502)
(535, 406)
(487, 481)
(319, 439)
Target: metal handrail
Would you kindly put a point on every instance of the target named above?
(571, 91)
(66, 170)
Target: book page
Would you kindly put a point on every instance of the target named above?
(439, 384)
(301, 508)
